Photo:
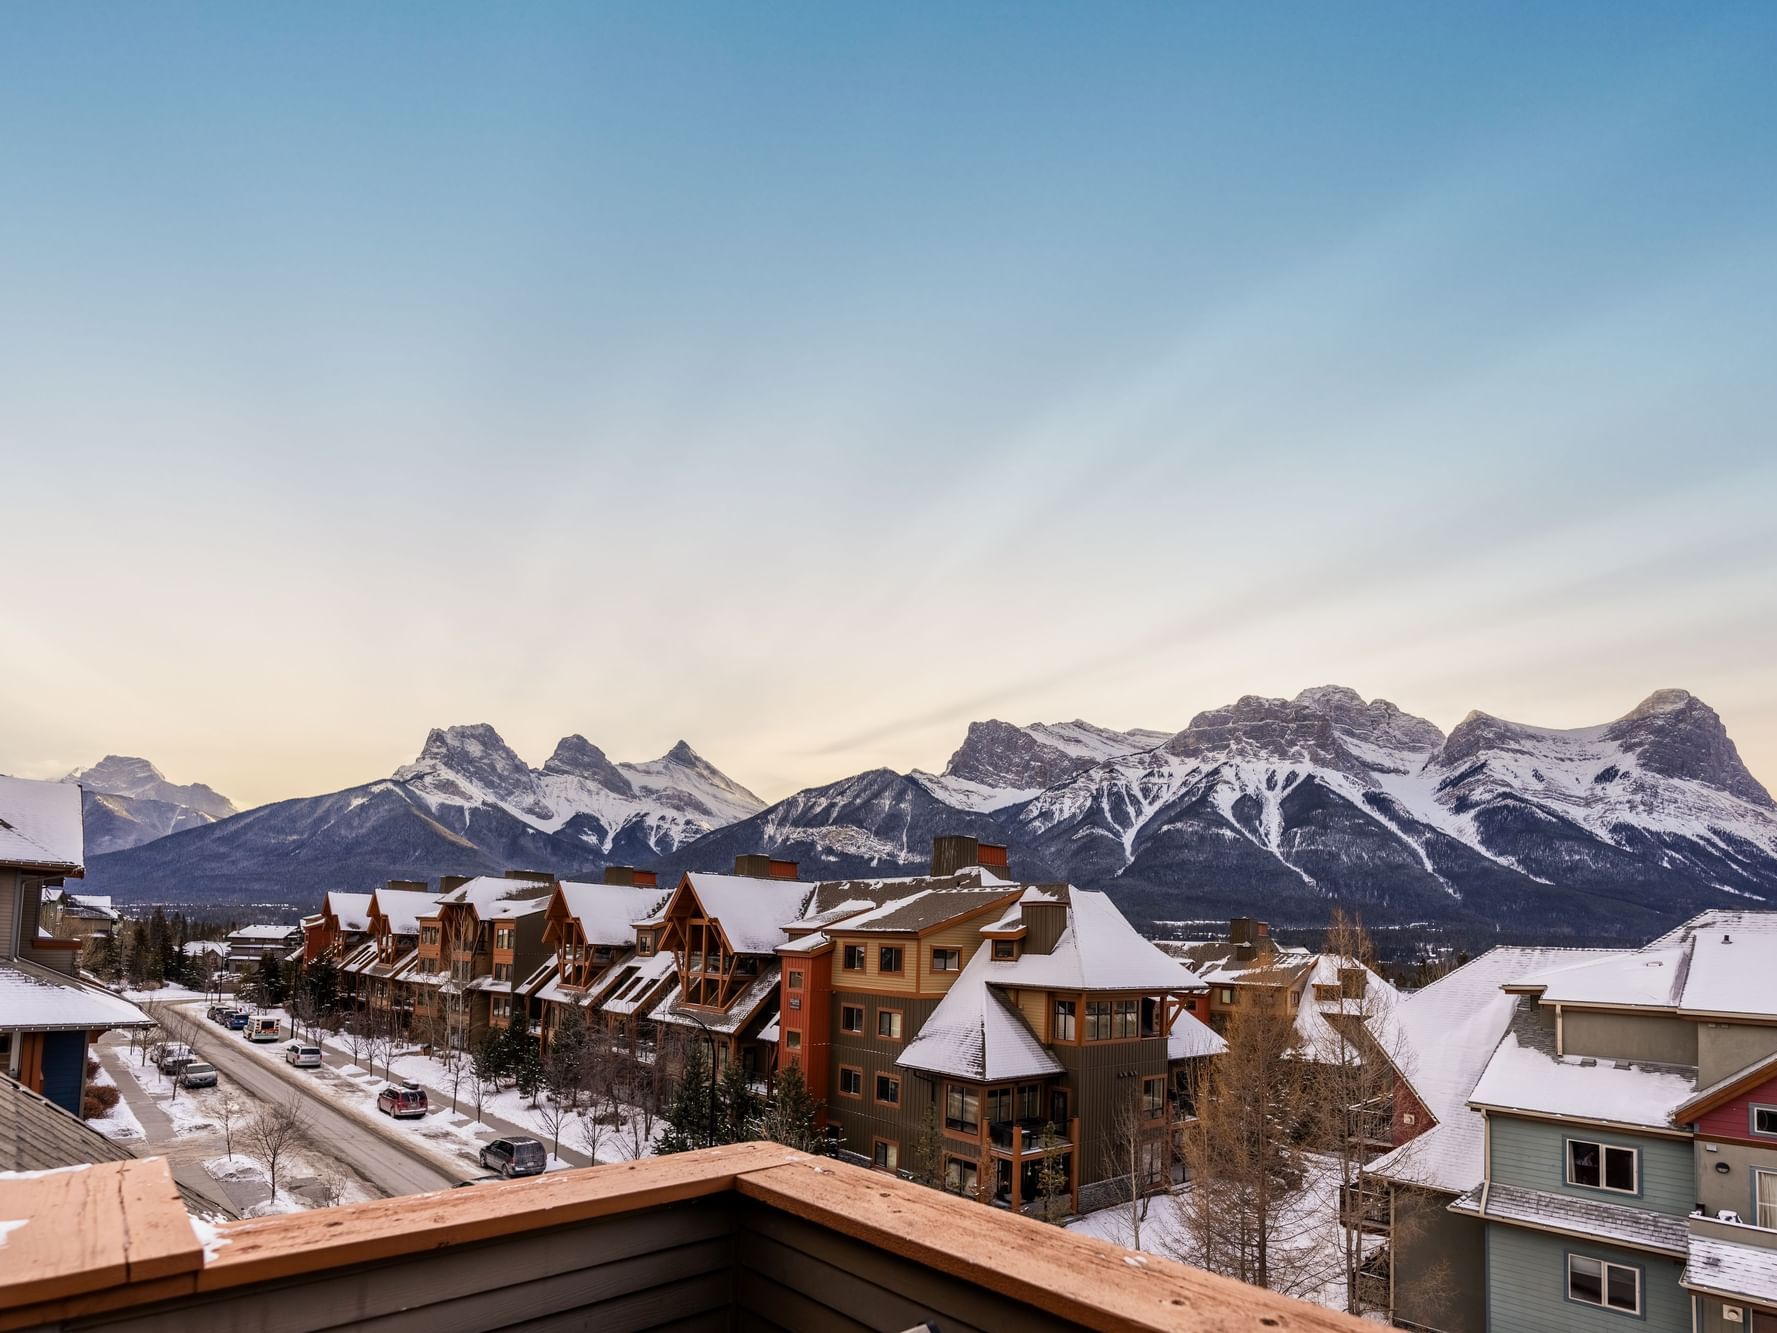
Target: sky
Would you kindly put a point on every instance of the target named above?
(805, 381)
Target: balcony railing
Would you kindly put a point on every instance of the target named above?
(1000, 1134)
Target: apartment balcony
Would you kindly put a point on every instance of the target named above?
(1002, 1133)
(752, 1237)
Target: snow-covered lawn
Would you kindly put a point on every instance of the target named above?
(300, 1185)
(1308, 1234)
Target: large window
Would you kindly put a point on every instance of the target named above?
(888, 1089)
(886, 1154)
(1764, 1198)
(851, 1018)
(960, 1175)
(1098, 1020)
(888, 1024)
(1030, 1101)
(851, 1081)
(1153, 1097)
(1123, 1021)
(962, 1108)
(947, 960)
(888, 958)
(1065, 1016)
(1597, 1282)
(853, 960)
(999, 1105)
(1764, 1120)
(1602, 1166)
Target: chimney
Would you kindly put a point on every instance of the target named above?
(448, 882)
(1241, 930)
(540, 876)
(620, 875)
(952, 852)
(778, 868)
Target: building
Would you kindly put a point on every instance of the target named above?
(590, 931)
(338, 929)
(475, 938)
(48, 1014)
(1248, 968)
(1616, 1161)
(88, 919)
(250, 944)
(750, 1236)
(371, 974)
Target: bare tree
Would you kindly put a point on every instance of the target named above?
(231, 1114)
(274, 1133)
(1137, 1147)
(330, 1189)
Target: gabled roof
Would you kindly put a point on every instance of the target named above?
(1099, 950)
(1726, 1089)
(752, 912)
(923, 910)
(351, 910)
(1191, 1039)
(484, 892)
(40, 826)
(403, 908)
(608, 913)
(975, 1034)
(749, 1004)
(273, 934)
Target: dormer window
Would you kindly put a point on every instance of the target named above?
(645, 944)
(1005, 951)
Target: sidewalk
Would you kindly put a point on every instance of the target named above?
(160, 1139)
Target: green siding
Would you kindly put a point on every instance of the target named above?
(1527, 1287)
(1532, 1154)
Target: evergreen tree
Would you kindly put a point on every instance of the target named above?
(108, 962)
(321, 984)
(737, 1105)
(927, 1155)
(137, 964)
(687, 1115)
(790, 1118)
(160, 947)
(489, 1063)
(272, 988)
(569, 1054)
(524, 1059)
(1054, 1193)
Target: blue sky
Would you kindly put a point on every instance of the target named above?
(808, 380)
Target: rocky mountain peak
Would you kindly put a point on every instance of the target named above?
(1377, 723)
(577, 757)
(1285, 730)
(1677, 735)
(458, 761)
(138, 779)
(997, 754)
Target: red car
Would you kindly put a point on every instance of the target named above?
(405, 1102)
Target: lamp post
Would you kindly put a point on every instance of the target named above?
(710, 1039)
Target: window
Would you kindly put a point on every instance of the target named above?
(500, 1006)
(503, 937)
(1764, 1120)
(1601, 1166)
(851, 1081)
(645, 944)
(1152, 1014)
(793, 1039)
(999, 1105)
(1596, 1282)
(1064, 1020)
(1764, 1199)
(1123, 1020)
(959, 1175)
(888, 958)
(854, 958)
(502, 971)
(888, 1024)
(429, 935)
(851, 1018)
(888, 1089)
(1004, 951)
(962, 1108)
(795, 980)
(886, 1155)
(1098, 1020)
(947, 960)
(1153, 1097)
(1227, 995)
(1030, 1101)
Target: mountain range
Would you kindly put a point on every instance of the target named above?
(126, 802)
(1277, 807)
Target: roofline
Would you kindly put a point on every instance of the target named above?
(1646, 1247)
(1600, 1006)
(1730, 1016)
(1759, 1304)
(1759, 1071)
(66, 869)
(1557, 1118)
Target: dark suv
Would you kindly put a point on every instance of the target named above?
(515, 1157)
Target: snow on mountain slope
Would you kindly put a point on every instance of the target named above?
(999, 764)
(127, 801)
(579, 794)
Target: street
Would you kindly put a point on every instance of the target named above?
(376, 1154)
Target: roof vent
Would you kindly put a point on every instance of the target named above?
(1727, 939)
(1622, 1064)
(1588, 1063)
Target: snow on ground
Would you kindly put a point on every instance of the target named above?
(301, 1185)
(120, 1122)
(1308, 1234)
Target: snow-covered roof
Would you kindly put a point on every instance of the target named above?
(267, 934)
(1650, 976)
(400, 967)
(404, 907)
(922, 910)
(515, 907)
(1725, 1268)
(195, 947)
(746, 1007)
(1712, 964)
(1747, 1075)
(485, 892)
(40, 826)
(1525, 1074)
(1099, 950)
(360, 958)
(1190, 1038)
(36, 999)
(608, 913)
(974, 1034)
(1592, 1219)
(1318, 1022)
(632, 993)
(1440, 1039)
(751, 911)
(770, 1032)
(351, 910)
(1218, 962)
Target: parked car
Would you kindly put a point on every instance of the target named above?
(303, 1057)
(407, 1101)
(515, 1157)
(264, 1029)
(238, 1020)
(217, 1013)
(169, 1055)
(197, 1074)
(478, 1180)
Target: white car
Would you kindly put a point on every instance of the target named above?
(303, 1057)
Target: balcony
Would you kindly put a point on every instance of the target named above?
(1000, 1134)
(752, 1236)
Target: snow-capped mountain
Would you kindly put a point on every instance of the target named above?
(999, 764)
(632, 810)
(127, 801)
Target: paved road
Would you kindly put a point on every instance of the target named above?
(376, 1154)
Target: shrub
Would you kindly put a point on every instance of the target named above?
(97, 1102)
